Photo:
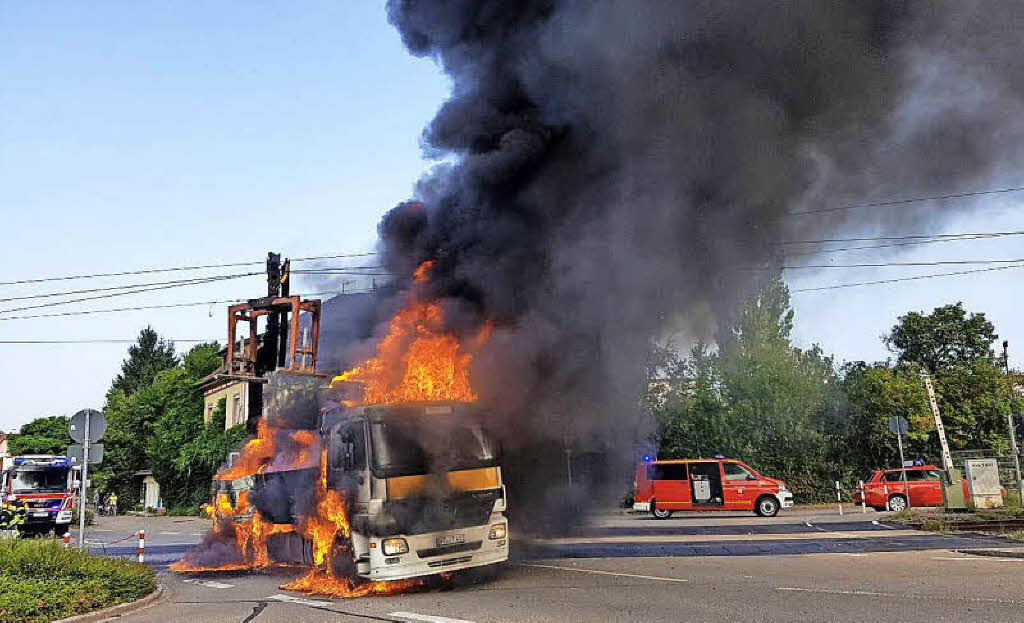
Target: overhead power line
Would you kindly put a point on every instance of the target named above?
(890, 264)
(165, 306)
(114, 288)
(878, 204)
(880, 246)
(98, 341)
(882, 281)
(190, 282)
(148, 271)
(994, 234)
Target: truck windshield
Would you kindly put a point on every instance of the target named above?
(40, 481)
(405, 447)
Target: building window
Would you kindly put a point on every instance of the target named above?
(237, 419)
(209, 412)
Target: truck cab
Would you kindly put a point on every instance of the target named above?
(425, 489)
(41, 487)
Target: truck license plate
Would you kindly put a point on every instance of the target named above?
(451, 539)
(40, 514)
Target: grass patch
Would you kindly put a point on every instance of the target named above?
(43, 581)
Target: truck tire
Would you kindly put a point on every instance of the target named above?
(660, 513)
(767, 506)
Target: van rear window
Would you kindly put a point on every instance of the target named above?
(676, 471)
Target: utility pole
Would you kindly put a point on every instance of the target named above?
(1009, 425)
(272, 337)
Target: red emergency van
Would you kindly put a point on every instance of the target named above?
(707, 484)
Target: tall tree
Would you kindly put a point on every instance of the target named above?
(45, 435)
(147, 357)
(947, 337)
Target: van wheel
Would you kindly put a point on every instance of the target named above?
(897, 503)
(767, 506)
(660, 513)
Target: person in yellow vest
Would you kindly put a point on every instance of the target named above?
(113, 504)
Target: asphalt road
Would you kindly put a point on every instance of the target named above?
(802, 565)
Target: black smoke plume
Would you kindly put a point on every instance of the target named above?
(609, 168)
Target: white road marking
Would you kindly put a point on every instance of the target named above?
(299, 600)
(174, 533)
(877, 523)
(595, 571)
(99, 530)
(412, 616)
(828, 591)
(208, 583)
(979, 558)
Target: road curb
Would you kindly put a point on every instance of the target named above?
(994, 553)
(116, 611)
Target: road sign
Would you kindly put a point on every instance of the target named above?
(899, 425)
(77, 451)
(97, 425)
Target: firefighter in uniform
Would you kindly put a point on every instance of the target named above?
(12, 514)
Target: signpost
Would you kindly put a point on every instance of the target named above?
(86, 427)
(899, 427)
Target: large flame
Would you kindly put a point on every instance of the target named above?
(417, 360)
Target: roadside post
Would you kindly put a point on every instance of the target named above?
(863, 497)
(899, 427)
(142, 546)
(839, 498)
(87, 428)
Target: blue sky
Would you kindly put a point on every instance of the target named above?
(149, 134)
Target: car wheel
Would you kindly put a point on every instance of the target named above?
(897, 503)
(767, 506)
(660, 513)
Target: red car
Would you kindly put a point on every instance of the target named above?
(885, 490)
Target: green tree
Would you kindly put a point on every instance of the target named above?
(876, 393)
(147, 357)
(45, 435)
(947, 337)
(759, 398)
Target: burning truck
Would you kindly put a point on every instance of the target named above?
(375, 480)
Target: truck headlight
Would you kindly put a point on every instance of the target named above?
(394, 546)
(497, 532)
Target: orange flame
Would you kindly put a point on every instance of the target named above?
(255, 454)
(324, 529)
(417, 360)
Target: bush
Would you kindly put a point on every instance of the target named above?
(90, 517)
(43, 581)
(186, 511)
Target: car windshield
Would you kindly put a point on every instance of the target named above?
(411, 446)
(40, 481)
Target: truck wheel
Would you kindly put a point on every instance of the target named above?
(660, 513)
(767, 506)
(897, 503)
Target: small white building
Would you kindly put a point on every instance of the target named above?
(150, 490)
